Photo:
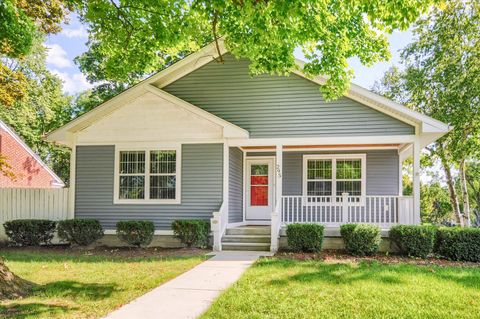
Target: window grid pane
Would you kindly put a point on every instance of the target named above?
(163, 162)
(319, 188)
(162, 187)
(349, 169)
(353, 188)
(319, 169)
(259, 170)
(132, 187)
(132, 162)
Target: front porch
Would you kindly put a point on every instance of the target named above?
(327, 184)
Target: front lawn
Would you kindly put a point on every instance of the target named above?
(283, 288)
(82, 285)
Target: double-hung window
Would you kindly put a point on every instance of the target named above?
(147, 176)
(333, 175)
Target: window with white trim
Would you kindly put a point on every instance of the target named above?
(332, 175)
(149, 175)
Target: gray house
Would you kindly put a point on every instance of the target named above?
(205, 140)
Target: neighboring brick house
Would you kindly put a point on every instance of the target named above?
(29, 170)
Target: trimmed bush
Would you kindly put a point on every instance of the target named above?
(305, 237)
(459, 243)
(30, 232)
(414, 240)
(136, 232)
(361, 239)
(82, 232)
(192, 232)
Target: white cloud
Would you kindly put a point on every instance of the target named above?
(73, 83)
(57, 56)
(79, 32)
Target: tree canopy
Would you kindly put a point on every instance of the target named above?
(21, 22)
(43, 108)
(441, 78)
(131, 38)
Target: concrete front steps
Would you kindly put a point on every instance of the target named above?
(249, 238)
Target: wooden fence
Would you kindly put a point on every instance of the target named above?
(32, 203)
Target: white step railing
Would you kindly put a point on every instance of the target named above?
(333, 211)
(218, 226)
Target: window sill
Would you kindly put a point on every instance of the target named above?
(147, 201)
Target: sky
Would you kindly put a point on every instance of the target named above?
(70, 42)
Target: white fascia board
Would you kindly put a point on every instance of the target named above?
(230, 130)
(348, 140)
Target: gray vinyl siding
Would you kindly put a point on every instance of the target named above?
(201, 187)
(276, 106)
(382, 171)
(235, 192)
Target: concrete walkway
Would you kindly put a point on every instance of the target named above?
(190, 294)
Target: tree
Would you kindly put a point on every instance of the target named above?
(435, 205)
(129, 38)
(44, 108)
(473, 180)
(20, 23)
(441, 78)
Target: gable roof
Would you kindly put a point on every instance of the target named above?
(57, 182)
(430, 128)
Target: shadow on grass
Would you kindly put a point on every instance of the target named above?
(32, 310)
(29, 257)
(75, 290)
(387, 274)
(66, 290)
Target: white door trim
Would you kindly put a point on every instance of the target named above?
(246, 184)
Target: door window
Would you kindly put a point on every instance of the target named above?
(259, 185)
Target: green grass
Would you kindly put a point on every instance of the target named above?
(85, 286)
(275, 288)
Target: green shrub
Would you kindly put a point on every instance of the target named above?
(136, 232)
(305, 237)
(414, 240)
(192, 232)
(361, 239)
(459, 243)
(30, 232)
(82, 232)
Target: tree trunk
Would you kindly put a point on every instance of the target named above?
(12, 286)
(465, 197)
(451, 187)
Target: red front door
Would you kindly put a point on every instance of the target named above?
(259, 188)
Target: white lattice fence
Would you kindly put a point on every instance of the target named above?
(32, 203)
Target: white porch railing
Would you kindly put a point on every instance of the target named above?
(218, 225)
(333, 211)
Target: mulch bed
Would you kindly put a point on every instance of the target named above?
(122, 252)
(338, 256)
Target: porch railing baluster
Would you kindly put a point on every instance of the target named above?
(334, 210)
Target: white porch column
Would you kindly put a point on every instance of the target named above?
(72, 179)
(276, 213)
(219, 220)
(278, 173)
(416, 181)
(226, 173)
